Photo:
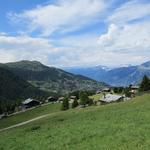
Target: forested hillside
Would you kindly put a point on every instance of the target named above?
(52, 79)
(13, 89)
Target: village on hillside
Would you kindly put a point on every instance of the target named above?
(82, 99)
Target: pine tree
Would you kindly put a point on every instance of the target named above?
(127, 91)
(65, 104)
(145, 84)
(83, 98)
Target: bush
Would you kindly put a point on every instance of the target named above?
(90, 102)
(34, 128)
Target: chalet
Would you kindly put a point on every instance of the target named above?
(60, 99)
(72, 98)
(28, 103)
(134, 89)
(106, 90)
(98, 91)
(51, 99)
(110, 98)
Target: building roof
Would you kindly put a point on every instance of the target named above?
(135, 87)
(73, 97)
(60, 98)
(106, 89)
(110, 98)
(51, 97)
(27, 101)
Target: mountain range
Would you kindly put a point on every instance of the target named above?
(51, 79)
(121, 76)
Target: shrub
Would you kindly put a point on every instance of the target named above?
(34, 128)
(90, 102)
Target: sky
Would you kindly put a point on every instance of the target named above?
(68, 33)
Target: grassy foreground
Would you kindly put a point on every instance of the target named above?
(30, 114)
(119, 126)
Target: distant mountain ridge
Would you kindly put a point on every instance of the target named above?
(91, 72)
(51, 79)
(122, 76)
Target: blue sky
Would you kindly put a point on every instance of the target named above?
(67, 33)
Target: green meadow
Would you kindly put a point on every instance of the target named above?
(117, 126)
(29, 114)
(96, 97)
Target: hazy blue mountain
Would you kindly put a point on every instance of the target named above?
(52, 79)
(91, 72)
(122, 76)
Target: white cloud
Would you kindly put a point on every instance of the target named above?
(132, 10)
(6, 57)
(84, 51)
(124, 42)
(64, 16)
(130, 41)
(24, 47)
(127, 38)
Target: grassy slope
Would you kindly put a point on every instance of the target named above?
(30, 114)
(119, 126)
(96, 97)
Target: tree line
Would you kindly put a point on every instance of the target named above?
(83, 97)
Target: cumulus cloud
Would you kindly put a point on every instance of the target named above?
(127, 38)
(64, 16)
(125, 41)
(24, 47)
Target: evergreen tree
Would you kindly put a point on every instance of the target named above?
(83, 98)
(145, 84)
(75, 103)
(127, 92)
(90, 102)
(65, 104)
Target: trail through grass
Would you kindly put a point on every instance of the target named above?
(118, 126)
(30, 114)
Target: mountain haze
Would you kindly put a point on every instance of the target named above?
(91, 72)
(122, 76)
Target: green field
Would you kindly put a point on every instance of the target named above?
(118, 126)
(30, 114)
(96, 97)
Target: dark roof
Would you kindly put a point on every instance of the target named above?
(29, 100)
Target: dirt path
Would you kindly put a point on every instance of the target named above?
(28, 121)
